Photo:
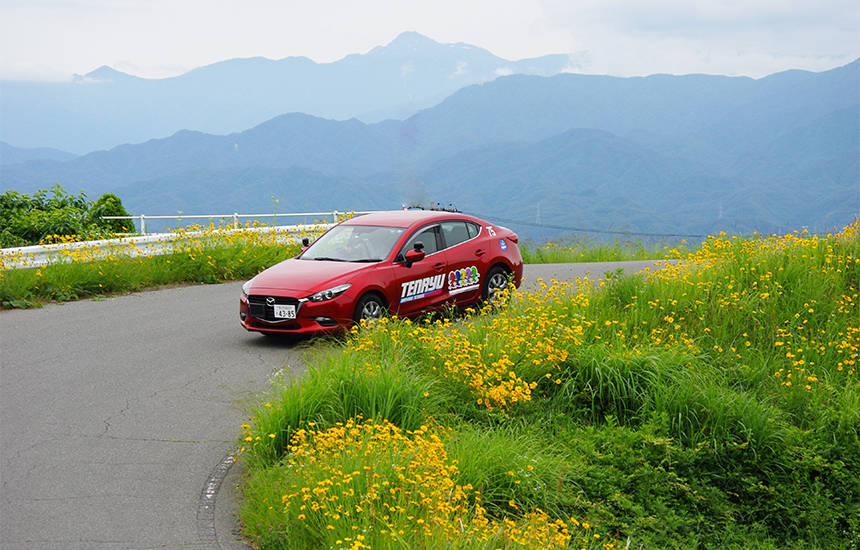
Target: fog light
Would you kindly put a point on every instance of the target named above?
(242, 315)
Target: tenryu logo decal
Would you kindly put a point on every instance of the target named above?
(421, 288)
(463, 280)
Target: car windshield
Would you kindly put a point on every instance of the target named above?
(354, 243)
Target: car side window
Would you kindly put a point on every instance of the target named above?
(428, 237)
(456, 232)
(474, 229)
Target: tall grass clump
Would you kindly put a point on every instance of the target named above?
(714, 403)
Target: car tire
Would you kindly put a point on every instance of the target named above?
(495, 281)
(370, 307)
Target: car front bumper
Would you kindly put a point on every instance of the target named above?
(311, 317)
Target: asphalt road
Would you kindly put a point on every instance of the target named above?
(118, 416)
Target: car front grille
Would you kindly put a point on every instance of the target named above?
(287, 326)
(259, 309)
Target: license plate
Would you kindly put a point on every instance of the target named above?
(285, 312)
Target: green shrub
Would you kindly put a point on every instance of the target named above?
(109, 205)
(56, 216)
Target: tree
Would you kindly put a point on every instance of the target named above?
(110, 205)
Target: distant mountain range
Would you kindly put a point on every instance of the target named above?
(106, 108)
(10, 154)
(684, 155)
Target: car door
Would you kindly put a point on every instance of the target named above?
(467, 254)
(421, 286)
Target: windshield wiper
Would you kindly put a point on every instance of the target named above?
(368, 260)
(327, 259)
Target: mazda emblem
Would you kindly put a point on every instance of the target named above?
(270, 301)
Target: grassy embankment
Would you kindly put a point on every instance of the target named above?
(196, 255)
(715, 404)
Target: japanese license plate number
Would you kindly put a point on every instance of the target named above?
(285, 312)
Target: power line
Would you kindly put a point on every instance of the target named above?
(585, 230)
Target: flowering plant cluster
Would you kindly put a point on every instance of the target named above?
(369, 484)
(708, 357)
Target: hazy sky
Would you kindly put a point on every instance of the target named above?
(51, 39)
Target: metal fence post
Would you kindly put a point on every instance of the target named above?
(143, 224)
(235, 220)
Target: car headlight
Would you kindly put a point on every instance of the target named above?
(330, 293)
(246, 288)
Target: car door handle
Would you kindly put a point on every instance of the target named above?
(480, 252)
(439, 267)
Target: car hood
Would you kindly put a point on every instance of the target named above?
(303, 277)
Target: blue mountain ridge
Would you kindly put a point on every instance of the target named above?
(691, 154)
(106, 108)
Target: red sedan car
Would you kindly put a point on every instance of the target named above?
(407, 262)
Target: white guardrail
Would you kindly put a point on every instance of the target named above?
(180, 217)
(148, 245)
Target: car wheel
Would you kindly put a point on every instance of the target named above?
(369, 308)
(495, 282)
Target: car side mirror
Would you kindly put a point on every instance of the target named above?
(305, 243)
(414, 255)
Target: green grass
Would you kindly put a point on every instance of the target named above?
(210, 257)
(715, 404)
(584, 250)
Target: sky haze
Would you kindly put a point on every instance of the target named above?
(54, 39)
